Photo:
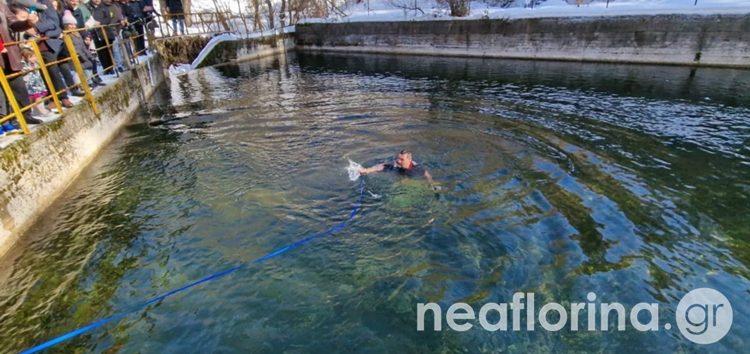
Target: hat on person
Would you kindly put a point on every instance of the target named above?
(68, 19)
(29, 4)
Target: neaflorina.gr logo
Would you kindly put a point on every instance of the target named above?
(703, 316)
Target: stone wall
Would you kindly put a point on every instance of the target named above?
(713, 40)
(35, 170)
(247, 49)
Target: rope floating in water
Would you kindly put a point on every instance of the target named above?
(116, 317)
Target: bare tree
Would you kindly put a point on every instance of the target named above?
(282, 12)
(271, 22)
(257, 22)
(459, 8)
(408, 5)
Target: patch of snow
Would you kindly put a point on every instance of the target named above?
(403, 10)
(385, 10)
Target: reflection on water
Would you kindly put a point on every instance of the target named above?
(557, 178)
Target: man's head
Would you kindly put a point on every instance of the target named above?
(72, 4)
(96, 2)
(403, 160)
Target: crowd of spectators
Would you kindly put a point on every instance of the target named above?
(44, 21)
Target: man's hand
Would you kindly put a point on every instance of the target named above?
(376, 168)
(33, 18)
(428, 177)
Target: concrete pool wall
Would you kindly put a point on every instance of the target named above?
(34, 171)
(711, 40)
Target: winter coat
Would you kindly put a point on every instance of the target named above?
(84, 54)
(81, 13)
(175, 6)
(134, 10)
(49, 26)
(34, 81)
(11, 59)
(102, 14)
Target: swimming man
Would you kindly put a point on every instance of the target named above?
(403, 164)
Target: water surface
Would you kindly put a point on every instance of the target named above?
(557, 178)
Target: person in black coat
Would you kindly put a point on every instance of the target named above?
(103, 17)
(176, 12)
(137, 13)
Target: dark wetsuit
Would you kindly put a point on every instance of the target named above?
(416, 170)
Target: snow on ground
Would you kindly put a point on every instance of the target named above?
(384, 10)
(403, 10)
(392, 10)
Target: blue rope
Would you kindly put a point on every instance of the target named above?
(117, 317)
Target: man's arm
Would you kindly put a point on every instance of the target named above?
(49, 22)
(428, 176)
(376, 168)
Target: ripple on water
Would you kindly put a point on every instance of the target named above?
(557, 178)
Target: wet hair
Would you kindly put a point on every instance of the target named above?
(404, 152)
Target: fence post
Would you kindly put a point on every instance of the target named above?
(47, 79)
(134, 60)
(79, 70)
(202, 22)
(109, 50)
(124, 53)
(13, 103)
(161, 30)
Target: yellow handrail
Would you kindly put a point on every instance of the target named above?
(209, 23)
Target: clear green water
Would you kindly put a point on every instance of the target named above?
(558, 178)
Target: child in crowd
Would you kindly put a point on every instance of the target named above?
(34, 83)
(82, 50)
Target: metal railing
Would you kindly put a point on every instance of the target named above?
(201, 23)
(128, 48)
(124, 45)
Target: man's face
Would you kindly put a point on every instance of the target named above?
(72, 3)
(403, 160)
(96, 2)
